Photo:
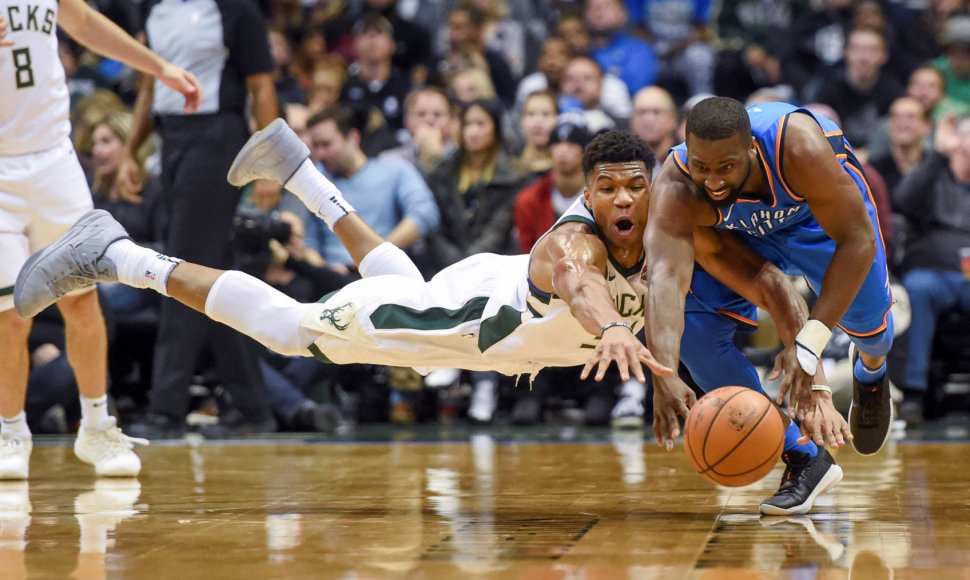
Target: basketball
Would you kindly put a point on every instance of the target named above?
(733, 436)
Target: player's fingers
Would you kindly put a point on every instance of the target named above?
(776, 370)
(587, 368)
(601, 368)
(658, 429)
(638, 370)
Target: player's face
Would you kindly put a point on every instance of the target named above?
(721, 168)
(618, 195)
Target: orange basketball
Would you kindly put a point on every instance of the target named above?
(734, 436)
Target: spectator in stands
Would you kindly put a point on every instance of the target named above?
(815, 44)
(389, 193)
(373, 82)
(412, 41)
(467, 47)
(752, 46)
(325, 83)
(655, 121)
(427, 119)
(863, 92)
(502, 33)
(541, 203)
(909, 126)
(935, 199)
(679, 32)
(536, 124)
(617, 51)
(288, 90)
(583, 92)
(955, 63)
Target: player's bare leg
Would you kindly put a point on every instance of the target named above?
(278, 154)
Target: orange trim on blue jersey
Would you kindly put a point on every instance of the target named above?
(779, 141)
(680, 164)
(771, 180)
(739, 318)
(872, 200)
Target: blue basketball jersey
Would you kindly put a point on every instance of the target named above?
(783, 229)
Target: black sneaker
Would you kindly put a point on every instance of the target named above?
(804, 479)
(871, 412)
(157, 426)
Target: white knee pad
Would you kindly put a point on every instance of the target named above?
(260, 311)
(388, 259)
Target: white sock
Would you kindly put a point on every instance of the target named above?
(16, 425)
(94, 412)
(141, 267)
(318, 194)
(388, 259)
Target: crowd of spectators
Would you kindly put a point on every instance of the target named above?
(457, 127)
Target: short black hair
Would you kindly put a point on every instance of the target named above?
(617, 147)
(346, 118)
(718, 118)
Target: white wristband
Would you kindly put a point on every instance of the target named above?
(810, 342)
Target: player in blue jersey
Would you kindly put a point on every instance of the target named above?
(790, 183)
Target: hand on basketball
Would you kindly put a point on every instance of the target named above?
(184, 82)
(671, 397)
(620, 345)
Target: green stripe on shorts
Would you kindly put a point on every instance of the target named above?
(394, 316)
(6, 291)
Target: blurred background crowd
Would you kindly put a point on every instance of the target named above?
(457, 127)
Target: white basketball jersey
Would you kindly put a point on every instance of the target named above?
(34, 99)
(549, 334)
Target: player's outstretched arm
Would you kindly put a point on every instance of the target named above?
(106, 38)
(670, 264)
(730, 259)
(571, 262)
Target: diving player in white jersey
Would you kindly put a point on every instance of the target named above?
(576, 298)
(42, 192)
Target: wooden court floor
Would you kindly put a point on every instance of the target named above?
(569, 504)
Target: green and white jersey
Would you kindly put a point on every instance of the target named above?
(34, 99)
(549, 334)
(479, 314)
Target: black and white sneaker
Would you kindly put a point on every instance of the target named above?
(804, 479)
(871, 412)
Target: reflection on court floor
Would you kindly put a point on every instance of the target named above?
(572, 503)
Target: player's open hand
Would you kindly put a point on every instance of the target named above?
(184, 82)
(620, 345)
(821, 422)
(671, 397)
(4, 29)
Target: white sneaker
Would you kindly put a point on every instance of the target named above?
(108, 450)
(627, 413)
(274, 153)
(15, 456)
(483, 402)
